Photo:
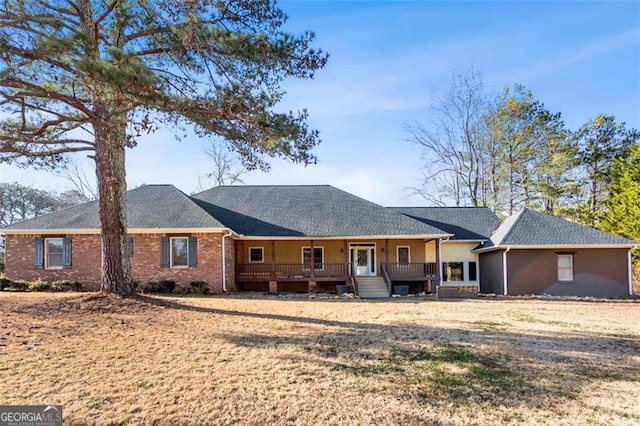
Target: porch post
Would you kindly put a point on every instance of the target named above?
(273, 283)
(386, 251)
(428, 284)
(345, 258)
(438, 266)
(239, 258)
(313, 263)
(273, 260)
(313, 286)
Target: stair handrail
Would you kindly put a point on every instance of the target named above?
(354, 281)
(385, 276)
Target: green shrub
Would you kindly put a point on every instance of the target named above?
(4, 282)
(166, 286)
(18, 285)
(200, 287)
(39, 285)
(66, 285)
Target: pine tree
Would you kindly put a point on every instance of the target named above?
(601, 140)
(92, 75)
(623, 204)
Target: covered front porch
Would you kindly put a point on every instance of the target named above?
(270, 265)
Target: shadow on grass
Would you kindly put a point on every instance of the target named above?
(441, 365)
(468, 365)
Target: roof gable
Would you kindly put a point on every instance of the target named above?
(465, 223)
(531, 228)
(148, 207)
(309, 210)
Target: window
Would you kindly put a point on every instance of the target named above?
(473, 271)
(318, 257)
(404, 257)
(256, 254)
(51, 253)
(179, 252)
(453, 271)
(54, 253)
(565, 267)
(129, 246)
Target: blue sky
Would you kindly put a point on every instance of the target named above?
(388, 60)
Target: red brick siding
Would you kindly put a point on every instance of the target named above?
(85, 260)
(145, 262)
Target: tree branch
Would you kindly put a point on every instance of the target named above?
(106, 13)
(45, 93)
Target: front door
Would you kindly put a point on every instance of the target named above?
(363, 260)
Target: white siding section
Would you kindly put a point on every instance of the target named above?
(460, 251)
(453, 251)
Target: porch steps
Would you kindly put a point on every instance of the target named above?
(372, 288)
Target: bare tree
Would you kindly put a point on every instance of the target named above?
(454, 141)
(81, 184)
(226, 166)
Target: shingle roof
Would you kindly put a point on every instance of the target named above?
(532, 228)
(148, 207)
(318, 211)
(465, 223)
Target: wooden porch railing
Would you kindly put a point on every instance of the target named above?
(269, 271)
(399, 271)
(390, 272)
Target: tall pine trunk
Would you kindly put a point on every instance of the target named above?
(110, 141)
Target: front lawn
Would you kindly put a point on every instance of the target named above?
(256, 360)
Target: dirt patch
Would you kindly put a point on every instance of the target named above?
(256, 360)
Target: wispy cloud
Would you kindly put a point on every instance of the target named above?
(555, 62)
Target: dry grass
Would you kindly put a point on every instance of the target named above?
(265, 360)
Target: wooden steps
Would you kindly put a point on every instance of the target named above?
(372, 288)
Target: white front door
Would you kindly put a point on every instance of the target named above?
(363, 260)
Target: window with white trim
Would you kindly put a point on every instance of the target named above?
(565, 267)
(256, 254)
(453, 271)
(318, 257)
(53, 253)
(179, 252)
(403, 255)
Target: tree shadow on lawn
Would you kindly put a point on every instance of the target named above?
(588, 343)
(470, 365)
(448, 364)
(475, 365)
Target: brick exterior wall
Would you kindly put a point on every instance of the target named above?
(85, 260)
(145, 262)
